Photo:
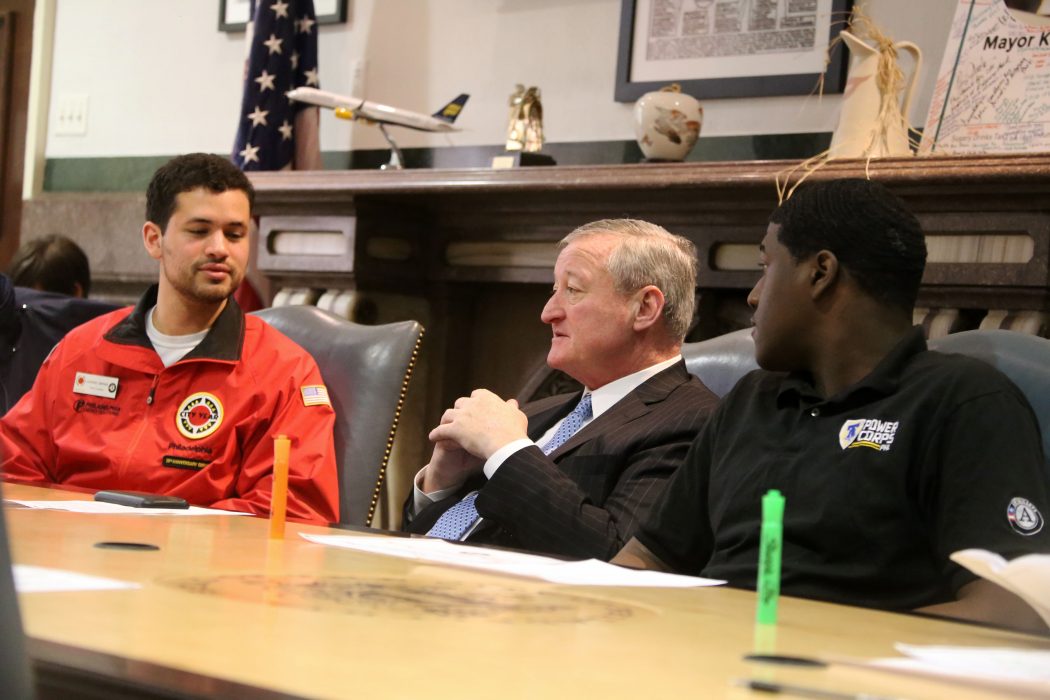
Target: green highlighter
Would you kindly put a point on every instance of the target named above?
(772, 539)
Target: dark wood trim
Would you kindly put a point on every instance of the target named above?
(65, 672)
(6, 37)
(13, 119)
(310, 188)
(711, 203)
(7, 19)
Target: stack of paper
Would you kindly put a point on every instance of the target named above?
(1022, 672)
(582, 573)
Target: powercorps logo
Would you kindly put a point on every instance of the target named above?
(199, 415)
(868, 432)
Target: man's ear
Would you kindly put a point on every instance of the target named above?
(650, 302)
(824, 273)
(151, 238)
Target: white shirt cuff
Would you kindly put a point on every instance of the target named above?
(421, 500)
(500, 456)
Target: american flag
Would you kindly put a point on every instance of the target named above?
(273, 132)
(315, 395)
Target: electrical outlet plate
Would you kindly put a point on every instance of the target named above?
(71, 115)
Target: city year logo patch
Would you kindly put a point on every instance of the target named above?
(1024, 517)
(199, 415)
(868, 432)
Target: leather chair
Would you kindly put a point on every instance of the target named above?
(15, 678)
(721, 361)
(366, 370)
(1024, 358)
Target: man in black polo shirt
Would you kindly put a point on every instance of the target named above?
(890, 456)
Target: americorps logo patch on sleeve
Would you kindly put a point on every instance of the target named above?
(1024, 517)
(96, 385)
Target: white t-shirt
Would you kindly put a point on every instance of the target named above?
(171, 348)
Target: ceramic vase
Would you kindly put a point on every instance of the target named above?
(869, 127)
(667, 123)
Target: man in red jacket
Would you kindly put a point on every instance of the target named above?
(183, 393)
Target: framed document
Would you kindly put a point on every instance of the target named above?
(234, 14)
(719, 49)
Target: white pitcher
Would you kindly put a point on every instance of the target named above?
(861, 133)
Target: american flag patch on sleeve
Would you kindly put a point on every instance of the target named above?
(315, 395)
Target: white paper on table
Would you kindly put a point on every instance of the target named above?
(1026, 576)
(1019, 671)
(38, 579)
(101, 508)
(578, 573)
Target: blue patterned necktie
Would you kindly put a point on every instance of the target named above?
(572, 423)
(457, 520)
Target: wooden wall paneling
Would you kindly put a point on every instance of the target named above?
(6, 19)
(19, 28)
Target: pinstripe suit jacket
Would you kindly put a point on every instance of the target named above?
(587, 498)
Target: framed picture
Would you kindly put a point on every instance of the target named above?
(234, 14)
(730, 48)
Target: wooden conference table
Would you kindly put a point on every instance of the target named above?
(224, 612)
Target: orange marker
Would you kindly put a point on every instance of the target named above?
(279, 499)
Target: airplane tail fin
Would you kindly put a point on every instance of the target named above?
(449, 112)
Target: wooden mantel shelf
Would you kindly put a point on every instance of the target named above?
(278, 188)
(427, 213)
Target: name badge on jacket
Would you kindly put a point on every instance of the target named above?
(95, 385)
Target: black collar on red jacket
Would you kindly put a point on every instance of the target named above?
(223, 342)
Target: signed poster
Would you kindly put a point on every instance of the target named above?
(993, 90)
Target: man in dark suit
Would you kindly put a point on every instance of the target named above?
(574, 474)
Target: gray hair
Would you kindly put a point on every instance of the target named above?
(648, 254)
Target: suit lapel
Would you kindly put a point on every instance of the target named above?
(636, 403)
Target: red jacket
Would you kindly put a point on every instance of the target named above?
(104, 412)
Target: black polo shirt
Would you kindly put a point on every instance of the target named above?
(929, 454)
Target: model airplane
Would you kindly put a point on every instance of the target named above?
(347, 107)
(355, 108)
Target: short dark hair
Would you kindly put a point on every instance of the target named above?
(51, 263)
(190, 172)
(868, 228)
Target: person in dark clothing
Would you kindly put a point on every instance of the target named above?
(31, 323)
(891, 457)
(52, 264)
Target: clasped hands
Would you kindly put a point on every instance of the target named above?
(470, 432)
